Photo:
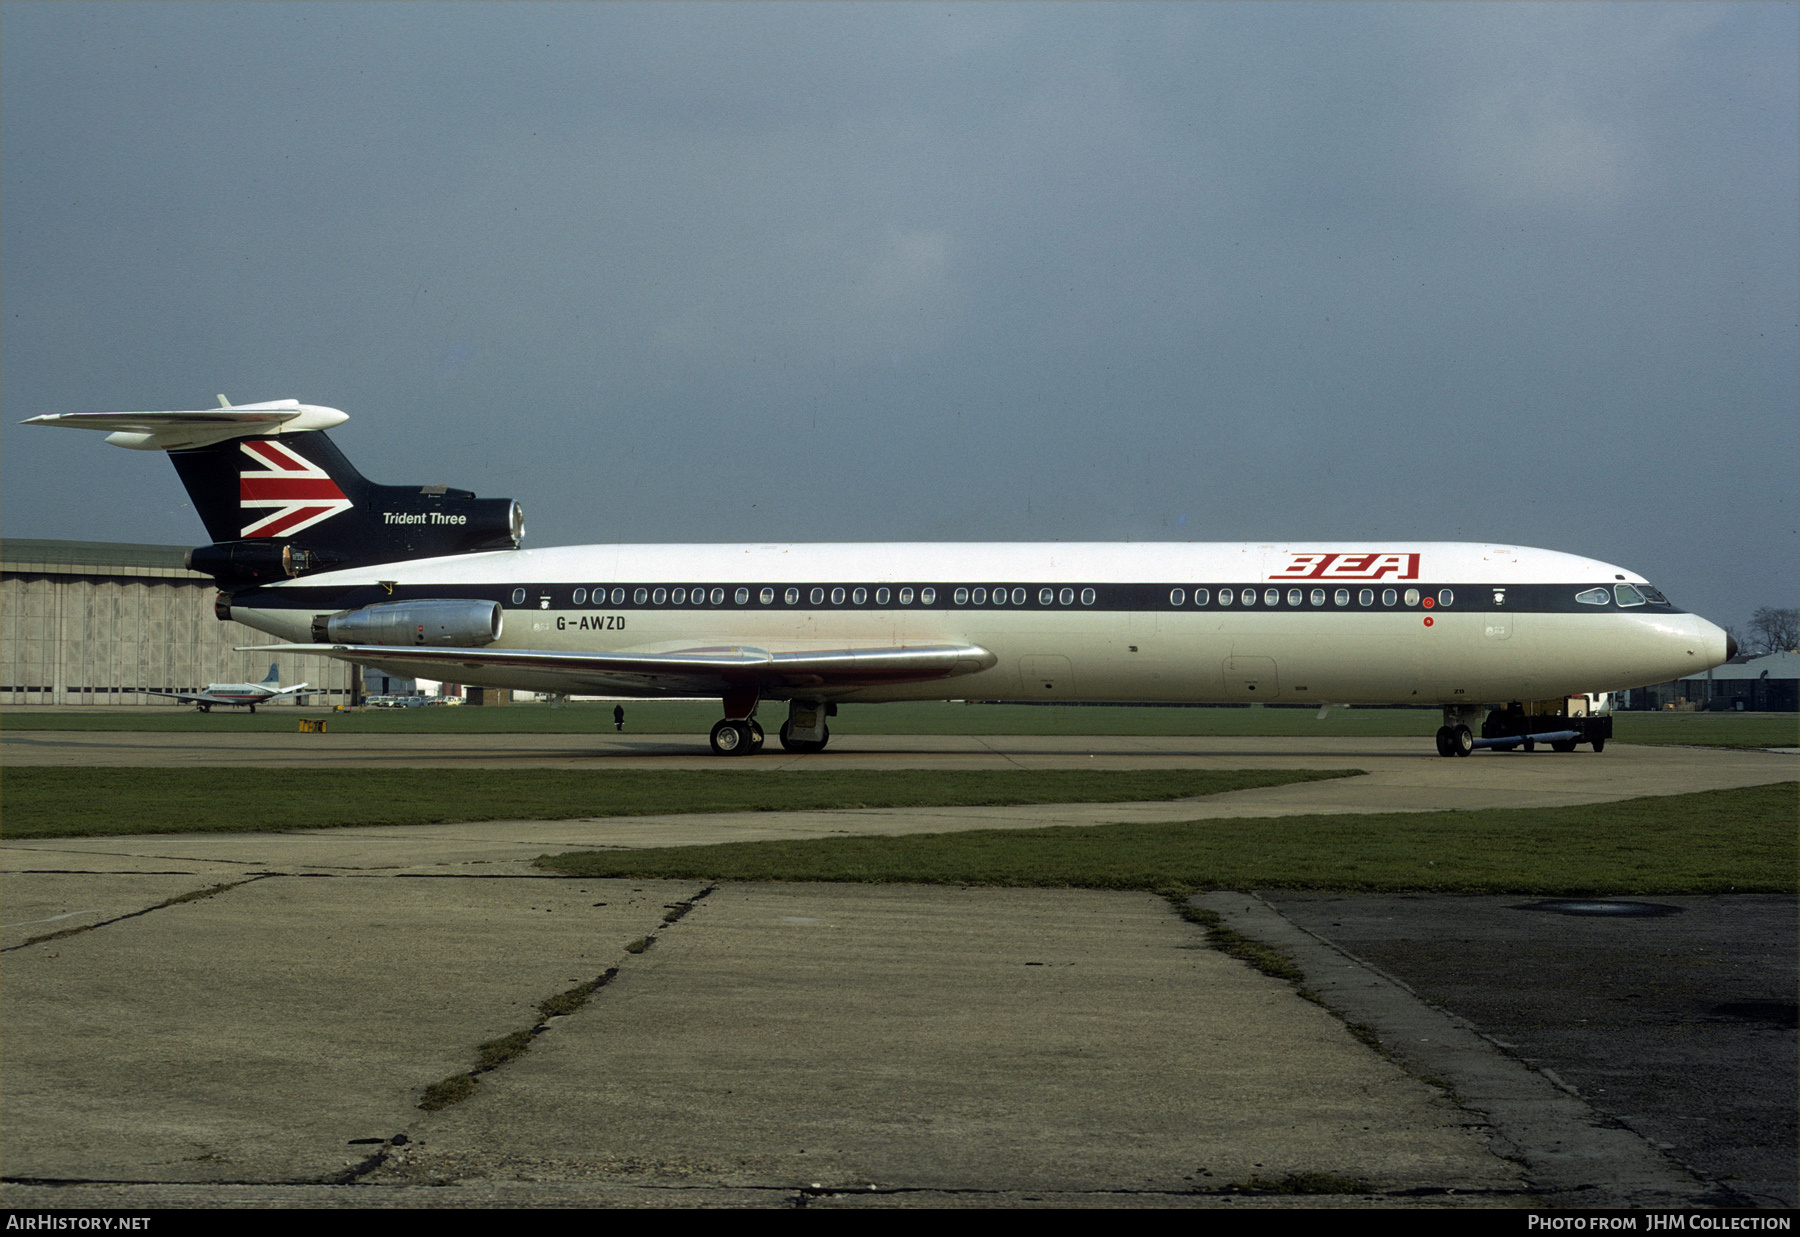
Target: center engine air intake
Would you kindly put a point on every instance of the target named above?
(452, 623)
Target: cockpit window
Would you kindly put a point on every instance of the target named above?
(1627, 595)
(1593, 597)
(1653, 596)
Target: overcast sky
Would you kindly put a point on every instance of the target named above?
(1504, 272)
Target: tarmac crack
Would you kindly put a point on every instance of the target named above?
(497, 1052)
(193, 895)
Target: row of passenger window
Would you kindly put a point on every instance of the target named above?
(1300, 597)
(999, 595)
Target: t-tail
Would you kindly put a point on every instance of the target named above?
(273, 679)
(279, 499)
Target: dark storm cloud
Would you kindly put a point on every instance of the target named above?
(1522, 273)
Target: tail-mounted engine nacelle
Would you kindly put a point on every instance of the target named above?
(447, 622)
(260, 561)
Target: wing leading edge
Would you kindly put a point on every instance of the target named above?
(699, 671)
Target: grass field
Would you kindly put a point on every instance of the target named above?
(697, 716)
(57, 802)
(1714, 842)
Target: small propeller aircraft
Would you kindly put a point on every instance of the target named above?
(251, 694)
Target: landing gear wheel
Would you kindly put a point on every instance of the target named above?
(1562, 745)
(802, 746)
(1462, 741)
(253, 709)
(731, 738)
(1443, 741)
(1599, 746)
(206, 708)
(1530, 745)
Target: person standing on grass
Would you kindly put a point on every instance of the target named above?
(618, 717)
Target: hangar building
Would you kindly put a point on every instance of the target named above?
(82, 621)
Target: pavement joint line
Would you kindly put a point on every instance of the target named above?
(194, 895)
(1641, 1173)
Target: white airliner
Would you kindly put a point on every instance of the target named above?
(251, 694)
(428, 582)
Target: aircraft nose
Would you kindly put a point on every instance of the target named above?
(1731, 649)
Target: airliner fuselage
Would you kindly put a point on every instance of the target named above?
(1443, 623)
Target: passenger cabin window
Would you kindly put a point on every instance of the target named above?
(1366, 597)
(1626, 595)
(1046, 596)
(837, 596)
(518, 597)
(860, 596)
(1593, 597)
(718, 597)
(1294, 597)
(1318, 597)
(1177, 596)
(1201, 596)
(619, 596)
(1342, 597)
(1446, 597)
(580, 596)
(1272, 597)
(1412, 596)
(928, 595)
(640, 597)
(1087, 596)
(659, 596)
(1067, 597)
(817, 597)
(906, 595)
(979, 596)
(791, 597)
(962, 596)
(741, 596)
(1226, 596)
(678, 597)
(1018, 597)
(1388, 596)
(881, 597)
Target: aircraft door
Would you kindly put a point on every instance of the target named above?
(1046, 676)
(1251, 678)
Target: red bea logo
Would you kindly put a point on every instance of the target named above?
(1360, 566)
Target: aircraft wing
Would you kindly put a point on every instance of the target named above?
(185, 697)
(288, 691)
(707, 671)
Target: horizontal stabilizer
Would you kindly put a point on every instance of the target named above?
(698, 671)
(180, 431)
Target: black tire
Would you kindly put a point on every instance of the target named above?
(801, 747)
(730, 738)
(1562, 745)
(1462, 741)
(1443, 741)
(1530, 745)
(1599, 746)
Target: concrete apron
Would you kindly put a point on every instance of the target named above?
(781, 1044)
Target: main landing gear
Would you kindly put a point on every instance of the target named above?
(737, 738)
(740, 735)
